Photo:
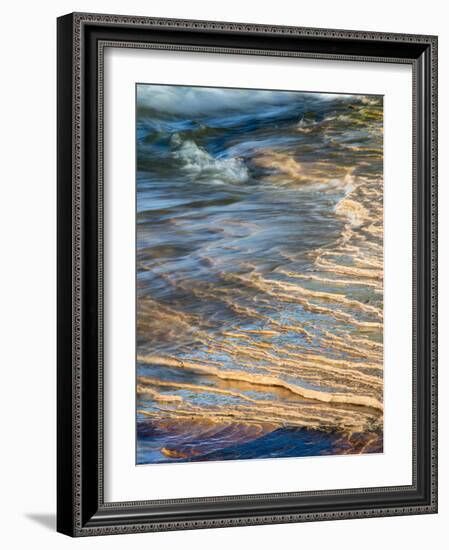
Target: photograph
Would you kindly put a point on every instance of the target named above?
(259, 273)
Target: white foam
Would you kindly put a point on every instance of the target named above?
(199, 165)
(194, 101)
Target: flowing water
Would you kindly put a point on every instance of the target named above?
(259, 274)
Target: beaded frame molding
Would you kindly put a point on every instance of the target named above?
(81, 509)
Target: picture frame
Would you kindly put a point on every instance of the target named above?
(81, 506)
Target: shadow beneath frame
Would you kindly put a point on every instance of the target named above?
(46, 520)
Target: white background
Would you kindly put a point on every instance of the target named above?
(123, 480)
(27, 292)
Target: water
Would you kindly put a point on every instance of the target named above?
(259, 274)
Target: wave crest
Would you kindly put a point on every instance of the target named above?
(199, 165)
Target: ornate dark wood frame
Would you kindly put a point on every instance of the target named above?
(81, 509)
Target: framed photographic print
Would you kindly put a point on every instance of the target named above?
(247, 311)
